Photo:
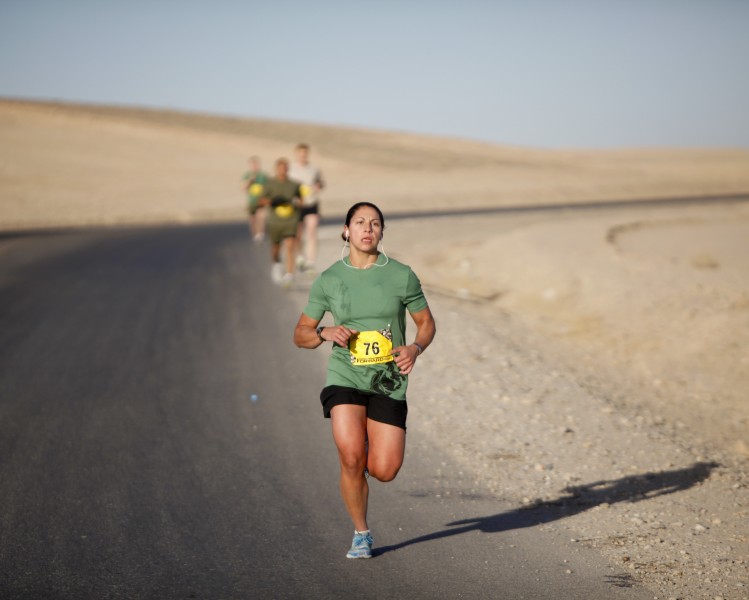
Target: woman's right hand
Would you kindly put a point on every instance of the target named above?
(338, 334)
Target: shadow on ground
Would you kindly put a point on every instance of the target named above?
(574, 500)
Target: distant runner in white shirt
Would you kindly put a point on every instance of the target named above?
(311, 181)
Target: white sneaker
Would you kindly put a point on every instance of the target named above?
(259, 238)
(276, 273)
(287, 280)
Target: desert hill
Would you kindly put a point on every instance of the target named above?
(64, 164)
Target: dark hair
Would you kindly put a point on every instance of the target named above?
(352, 211)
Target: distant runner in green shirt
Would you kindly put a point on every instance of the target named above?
(282, 196)
(252, 183)
(368, 295)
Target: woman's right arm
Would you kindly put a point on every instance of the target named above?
(305, 333)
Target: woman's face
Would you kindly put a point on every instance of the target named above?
(365, 229)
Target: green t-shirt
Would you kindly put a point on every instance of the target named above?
(282, 195)
(256, 177)
(373, 299)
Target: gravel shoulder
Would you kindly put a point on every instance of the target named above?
(671, 512)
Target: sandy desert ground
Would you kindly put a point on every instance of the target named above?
(607, 345)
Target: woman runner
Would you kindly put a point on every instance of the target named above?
(365, 391)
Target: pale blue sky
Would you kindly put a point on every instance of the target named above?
(532, 73)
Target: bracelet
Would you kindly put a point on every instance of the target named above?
(419, 347)
(319, 333)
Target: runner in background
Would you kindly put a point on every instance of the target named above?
(282, 197)
(252, 183)
(312, 183)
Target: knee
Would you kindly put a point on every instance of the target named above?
(353, 463)
(383, 473)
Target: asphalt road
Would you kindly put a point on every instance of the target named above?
(134, 462)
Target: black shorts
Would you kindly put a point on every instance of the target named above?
(309, 209)
(379, 408)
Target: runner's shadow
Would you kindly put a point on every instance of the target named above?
(575, 499)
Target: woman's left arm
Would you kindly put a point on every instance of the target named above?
(425, 329)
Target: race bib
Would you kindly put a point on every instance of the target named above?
(284, 211)
(256, 189)
(305, 190)
(370, 348)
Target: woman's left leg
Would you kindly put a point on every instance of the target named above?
(387, 447)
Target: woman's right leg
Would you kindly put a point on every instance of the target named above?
(350, 434)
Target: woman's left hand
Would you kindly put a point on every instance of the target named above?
(405, 357)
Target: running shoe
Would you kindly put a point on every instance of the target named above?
(308, 268)
(361, 546)
(276, 272)
(287, 280)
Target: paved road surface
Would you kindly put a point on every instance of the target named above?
(134, 464)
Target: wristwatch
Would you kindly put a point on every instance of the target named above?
(319, 333)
